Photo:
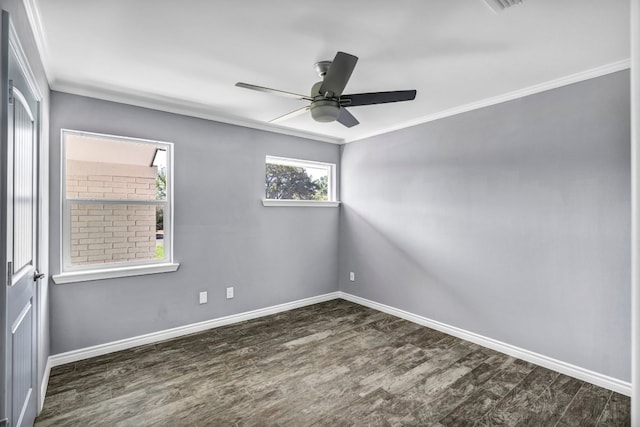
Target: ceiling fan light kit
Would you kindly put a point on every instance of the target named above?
(325, 110)
(327, 101)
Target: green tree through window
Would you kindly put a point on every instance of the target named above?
(161, 194)
(293, 183)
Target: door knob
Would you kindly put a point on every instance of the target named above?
(37, 276)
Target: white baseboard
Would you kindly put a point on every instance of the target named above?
(601, 380)
(592, 377)
(99, 350)
(44, 384)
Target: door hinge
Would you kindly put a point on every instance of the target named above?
(10, 91)
(9, 276)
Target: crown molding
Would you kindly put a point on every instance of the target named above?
(509, 96)
(172, 105)
(155, 102)
(177, 106)
(35, 21)
(158, 102)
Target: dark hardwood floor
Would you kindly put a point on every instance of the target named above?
(330, 364)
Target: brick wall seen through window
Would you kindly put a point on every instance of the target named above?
(116, 201)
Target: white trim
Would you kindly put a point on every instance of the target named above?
(70, 273)
(99, 350)
(42, 286)
(299, 203)
(329, 168)
(23, 63)
(35, 21)
(509, 96)
(116, 138)
(112, 273)
(596, 378)
(61, 202)
(179, 106)
(635, 211)
(601, 380)
(44, 384)
(288, 161)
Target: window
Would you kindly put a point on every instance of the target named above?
(292, 182)
(116, 207)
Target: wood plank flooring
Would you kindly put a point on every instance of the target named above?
(330, 364)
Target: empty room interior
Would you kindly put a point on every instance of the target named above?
(339, 213)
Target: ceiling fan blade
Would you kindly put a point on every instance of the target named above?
(292, 114)
(338, 74)
(346, 118)
(377, 98)
(274, 91)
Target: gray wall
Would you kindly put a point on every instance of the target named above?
(511, 221)
(223, 234)
(23, 29)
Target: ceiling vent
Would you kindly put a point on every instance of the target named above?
(500, 5)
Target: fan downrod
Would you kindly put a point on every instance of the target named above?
(322, 67)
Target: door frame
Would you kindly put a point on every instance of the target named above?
(635, 212)
(42, 212)
(42, 225)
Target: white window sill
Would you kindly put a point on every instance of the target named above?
(305, 203)
(112, 273)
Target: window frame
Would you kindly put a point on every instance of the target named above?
(78, 273)
(332, 199)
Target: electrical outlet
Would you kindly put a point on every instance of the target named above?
(203, 297)
(230, 292)
(352, 276)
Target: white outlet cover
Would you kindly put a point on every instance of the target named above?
(352, 276)
(230, 293)
(203, 297)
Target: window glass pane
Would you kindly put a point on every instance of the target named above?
(107, 232)
(100, 168)
(296, 182)
(116, 201)
(160, 233)
(160, 165)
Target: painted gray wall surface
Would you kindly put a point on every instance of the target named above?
(511, 221)
(223, 234)
(23, 29)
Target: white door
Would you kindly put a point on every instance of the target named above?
(19, 185)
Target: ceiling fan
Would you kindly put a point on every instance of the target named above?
(327, 103)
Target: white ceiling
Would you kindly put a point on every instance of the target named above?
(185, 56)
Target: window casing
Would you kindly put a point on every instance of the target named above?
(294, 182)
(117, 206)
